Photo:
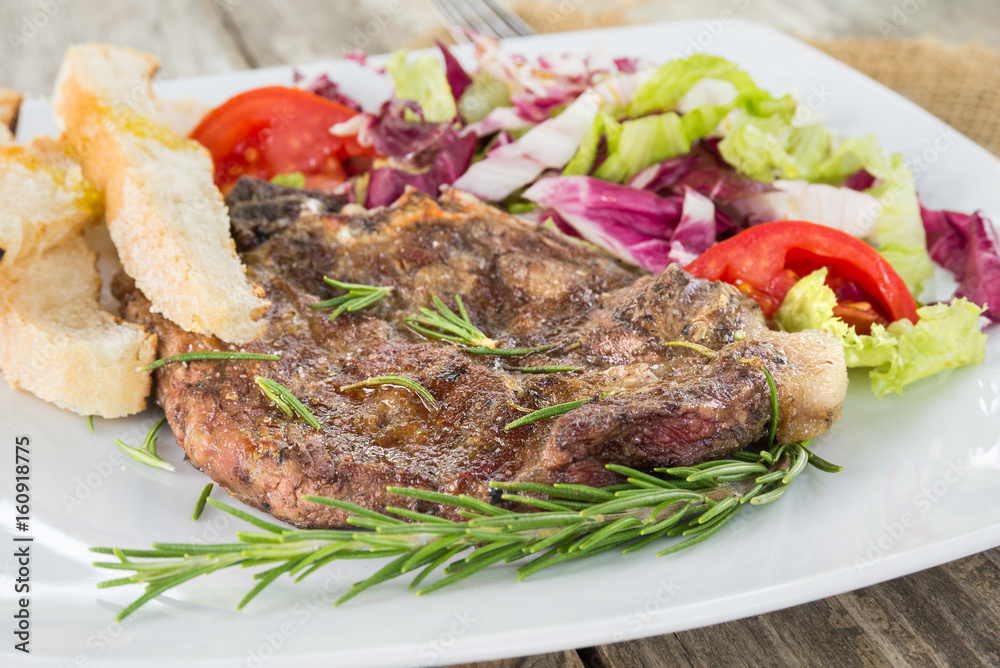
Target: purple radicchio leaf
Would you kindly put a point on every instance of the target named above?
(326, 88)
(860, 180)
(458, 78)
(637, 226)
(401, 132)
(981, 282)
(386, 184)
(968, 246)
(947, 236)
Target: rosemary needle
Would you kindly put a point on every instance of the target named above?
(90, 423)
(507, 352)
(146, 453)
(544, 413)
(401, 381)
(289, 404)
(199, 506)
(208, 355)
(358, 296)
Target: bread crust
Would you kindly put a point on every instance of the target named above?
(165, 215)
(57, 343)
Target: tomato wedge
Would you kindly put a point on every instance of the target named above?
(767, 260)
(279, 130)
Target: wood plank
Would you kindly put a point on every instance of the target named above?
(943, 616)
(187, 35)
(568, 659)
(953, 624)
(663, 650)
(282, 33)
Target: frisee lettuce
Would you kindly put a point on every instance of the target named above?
(946, 336)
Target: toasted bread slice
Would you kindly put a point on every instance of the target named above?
(10, 104)
(57, 343)
(46, 199)
(165, 215)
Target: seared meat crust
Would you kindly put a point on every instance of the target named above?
(653, 405)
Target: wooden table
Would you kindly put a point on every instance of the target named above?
(946, 616)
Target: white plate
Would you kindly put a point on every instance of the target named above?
(919, 486)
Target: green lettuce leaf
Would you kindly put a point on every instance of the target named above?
(946, 336)
(848, 156)
(604, 125)
(290, 180)
(643, 142)
(674, 79)
(899, 229)
(760, 148)
(483, 96)
(653, 133)
(422, 79)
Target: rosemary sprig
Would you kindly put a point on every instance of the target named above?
(358, 297)
(209, 355)
(146, 453)
(446, 325)
(199, 506)
(400, 381)
(285, 400)
(563, 522)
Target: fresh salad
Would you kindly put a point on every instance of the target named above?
(688, 162)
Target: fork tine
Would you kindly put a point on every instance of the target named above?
(446, 14)
(451, 20)
(471, 18)
(510, 17)
(489, 17)
(497, 25)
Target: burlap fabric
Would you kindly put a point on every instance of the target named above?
(958, 84)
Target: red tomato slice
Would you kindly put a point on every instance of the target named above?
(278, 130)
(766, 260)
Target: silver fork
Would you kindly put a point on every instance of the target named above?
(489, 17)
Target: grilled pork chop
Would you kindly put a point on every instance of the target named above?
(650, 404)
